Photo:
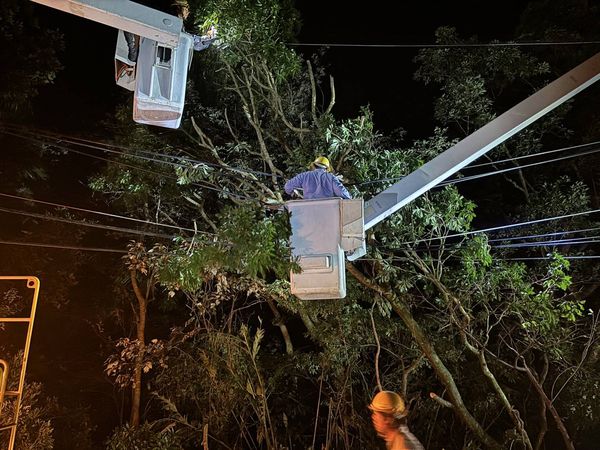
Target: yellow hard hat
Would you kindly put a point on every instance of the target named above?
(322, 162)
(388, 402)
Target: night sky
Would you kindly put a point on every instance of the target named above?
(382, 77)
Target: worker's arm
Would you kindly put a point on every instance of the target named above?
(294, 183)
(339, 190)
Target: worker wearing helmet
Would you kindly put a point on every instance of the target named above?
(318, 182)
(388, 413)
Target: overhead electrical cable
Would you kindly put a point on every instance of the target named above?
(128, 151)
(531, 242)
(525, 258)
(142, 169)
(131, 152)
(548, 243)
(510, 169)
(196, 184)
(532, 245)
(532, 155)
(86, 224)
(499, 171)
(69, 149)
(443, 183)
(534, 236)
(503, 227)
(556, 243)
(67, 247)
(463, 234)
(550, 257)
(464, 45)
(116, 216)
(131, 166)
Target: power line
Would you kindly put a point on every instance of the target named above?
(58, 205)
(525, 258)
(68, 247)
(498, 171)
(550, 257)
(221, 190)
(555, 233)
(425, 45)
(68, 149)
(550, 243)
(536, 244)
(443, 183)
(566, 240)
(85, 224)
(98, 145)
(141, 169)
(422, 240)
(502, 227)
(510, 169)
(102, 146)
(532, 155)
(556, 243)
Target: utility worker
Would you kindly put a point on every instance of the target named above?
(318, 182)
(388, 413)
(205, 41)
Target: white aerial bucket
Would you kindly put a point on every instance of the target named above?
(161, 77)
(322, 231)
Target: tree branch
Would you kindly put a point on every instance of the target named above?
(443, 374)
(378, 350)
(553, 412)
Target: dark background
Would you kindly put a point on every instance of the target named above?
(383, 77)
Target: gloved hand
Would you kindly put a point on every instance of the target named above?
(276, 199)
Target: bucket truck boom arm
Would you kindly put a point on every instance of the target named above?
(125, 15)
(481, 141)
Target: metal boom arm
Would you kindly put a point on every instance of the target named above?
(481, 141)
(124, 15)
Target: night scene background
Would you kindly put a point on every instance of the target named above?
(165, 318)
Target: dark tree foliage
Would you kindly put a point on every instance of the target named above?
(33, 63)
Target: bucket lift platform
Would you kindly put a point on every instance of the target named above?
(161, 76)
(158, 74)
(323, 232)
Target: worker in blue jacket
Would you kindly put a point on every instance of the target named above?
(318, 182)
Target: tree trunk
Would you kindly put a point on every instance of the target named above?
(543, 409)
(136, 389)
(278, 320)
(553, 412)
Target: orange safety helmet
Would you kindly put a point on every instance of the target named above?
(388, 402)
(321, 162)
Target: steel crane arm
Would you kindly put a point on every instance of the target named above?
(481, 141)
(125, 15)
